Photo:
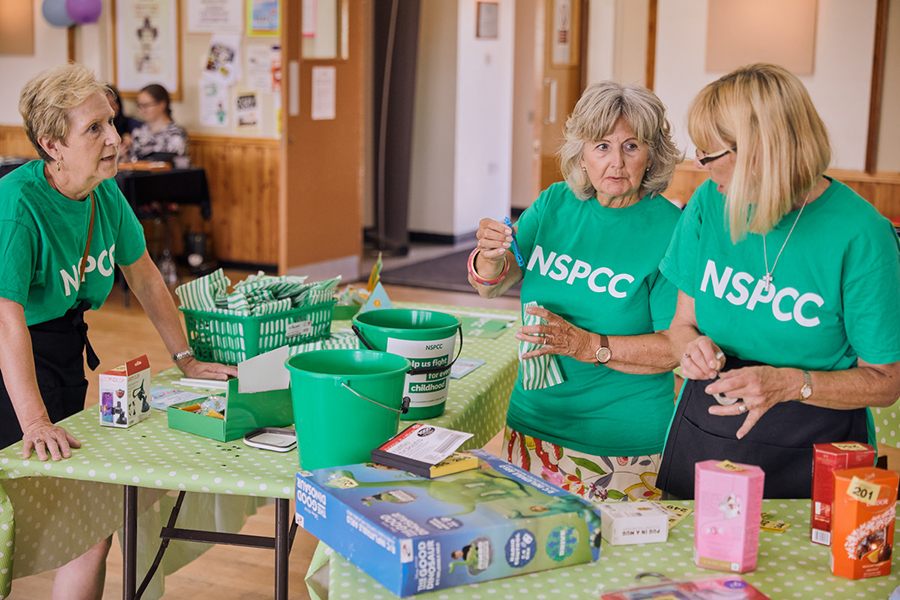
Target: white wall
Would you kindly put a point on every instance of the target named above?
(888, 138)
(462, 129)
(483, 119)
(839, 86)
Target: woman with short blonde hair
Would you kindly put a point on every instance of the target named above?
(788, 280)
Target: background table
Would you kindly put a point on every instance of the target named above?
(789, 566)
(63, 508)
(179, 186)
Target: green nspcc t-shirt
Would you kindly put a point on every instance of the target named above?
(43, 235)
(598, 268)
(835, 290)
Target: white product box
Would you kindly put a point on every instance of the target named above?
(634, 523)
(125, 394)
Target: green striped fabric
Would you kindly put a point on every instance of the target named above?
(336, 341)
(203, 292)
(540, 372)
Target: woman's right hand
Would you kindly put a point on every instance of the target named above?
(494, 238)
(48, 438)
(702, 359)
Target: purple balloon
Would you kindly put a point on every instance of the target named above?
(84, 11)
(54, 12)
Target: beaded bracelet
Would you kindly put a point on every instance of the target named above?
(477, 278)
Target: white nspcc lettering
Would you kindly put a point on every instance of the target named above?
(787, 304)
(562, 268)
(105, 264)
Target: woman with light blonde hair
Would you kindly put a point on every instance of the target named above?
(786, 327)
(590, 249)
(65, 226)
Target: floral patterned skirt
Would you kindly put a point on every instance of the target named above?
(594, 478)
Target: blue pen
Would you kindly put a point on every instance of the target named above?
(515, 247)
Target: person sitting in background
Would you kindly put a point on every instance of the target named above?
(123, 123)
(782, 349)
(592, 246)
(159, 138)
(65, 226)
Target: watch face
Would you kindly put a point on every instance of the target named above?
(805, 392)
(603, 355)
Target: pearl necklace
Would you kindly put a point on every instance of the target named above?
(767, 279)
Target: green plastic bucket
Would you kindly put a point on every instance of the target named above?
(346, 403)
(427, 338)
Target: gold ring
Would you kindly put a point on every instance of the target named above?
(38, 441)
(686, 355)
(742, 408)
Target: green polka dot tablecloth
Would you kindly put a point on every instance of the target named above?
(887, 425)
(52, 512)
(789, 566)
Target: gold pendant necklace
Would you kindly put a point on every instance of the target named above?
(767, 278)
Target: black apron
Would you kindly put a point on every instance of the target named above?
(59, 347)
(781, 442)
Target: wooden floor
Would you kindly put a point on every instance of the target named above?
(226, 573)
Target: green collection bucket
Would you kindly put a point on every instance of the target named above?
(427, 339)
(346, 403)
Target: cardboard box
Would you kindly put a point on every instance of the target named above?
(727, 508)
(125, 394)
(243, 414)
(862, 526)
(828, 458)
(634, 523)
(414, 534)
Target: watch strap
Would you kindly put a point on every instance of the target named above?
(806, 390)
(603, 353)
(183, 354)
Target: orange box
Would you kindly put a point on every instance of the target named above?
(862, 525)
(828, 458)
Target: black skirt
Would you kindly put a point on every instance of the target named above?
(781, 442)
(58, 347)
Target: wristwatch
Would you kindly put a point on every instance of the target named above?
(603, 352)
(806, 390)
(183, 354)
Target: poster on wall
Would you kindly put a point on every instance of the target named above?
(324, 85)
(214, 105)
(308, 18)
(264, 18)
(258, 75)
(223, 60)
(247, 111)
(146, 35)
(562, 32)
(215, 16)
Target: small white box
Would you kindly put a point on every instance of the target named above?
(634, 523)
(125, 394)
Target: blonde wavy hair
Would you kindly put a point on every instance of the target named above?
(48, 97)
(595, 115)
(781, 145)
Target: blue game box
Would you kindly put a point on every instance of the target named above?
(415, 535)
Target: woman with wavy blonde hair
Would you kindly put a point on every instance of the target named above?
(786, 327)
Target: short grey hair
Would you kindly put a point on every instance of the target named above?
(595, 115)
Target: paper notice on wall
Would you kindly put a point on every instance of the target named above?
(562, 32)
(259, 68)
(215, 16)
(324, 81)
(224, 57)
(247, 111)
(213, 102)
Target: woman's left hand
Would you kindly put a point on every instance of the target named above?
(760, 388)
(196, 369)
(558, 336)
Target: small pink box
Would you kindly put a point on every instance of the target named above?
(727, 509)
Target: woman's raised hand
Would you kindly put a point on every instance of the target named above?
(494, 238)
(558, 336)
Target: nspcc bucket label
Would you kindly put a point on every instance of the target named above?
(425, 389)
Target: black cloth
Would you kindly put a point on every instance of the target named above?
(781, 442)
(145, 189)
(58, 346)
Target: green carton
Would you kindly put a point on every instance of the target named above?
(243, 414)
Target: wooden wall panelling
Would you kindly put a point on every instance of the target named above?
(14, 142)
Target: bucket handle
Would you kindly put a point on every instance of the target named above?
(422, 370)
(404, 404)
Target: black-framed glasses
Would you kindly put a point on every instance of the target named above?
(708, 158)
(143, 105)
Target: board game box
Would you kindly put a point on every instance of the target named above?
(415, 535)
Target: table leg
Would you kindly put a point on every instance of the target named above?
(129, 567)
(282, 547)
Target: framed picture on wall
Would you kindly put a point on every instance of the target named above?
(147, 45)
(488, 21)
